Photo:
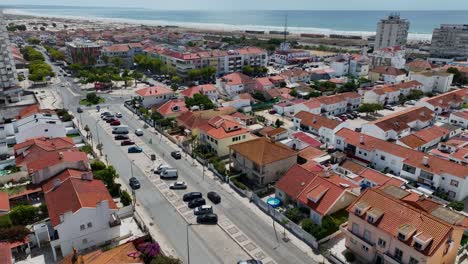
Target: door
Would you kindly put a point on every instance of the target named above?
(379, 259)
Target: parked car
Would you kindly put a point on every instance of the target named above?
(135, 149)
(204, 209)
(79, 110)
(350, 116)
(272, 112)
(120, 130)
(176, 154)
(214, 197)
(118, 115)
(343, 117)
(121, 137)
(196, 203)
(115, 123)
(169, 174)
(134, 183)
(180, 185)
(112, 119)
(191, 195)
(104, 114)
(250, 261)
(162, 167)
(207, 219)
(139, 132)
(109, 117)
(389, 108)
(127, 143)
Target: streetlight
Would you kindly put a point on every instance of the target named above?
(188, 241)
(131, 167)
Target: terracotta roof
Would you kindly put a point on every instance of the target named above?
(4, 202)
(276, 131)
(397, 213)
(306, 139)
(461, 114)
(447, 99)
(262, 151)
(424, 136)
(411, 157)
(399, 121)
(296, 72)
(222, 127)
(117, 48)
(73, 194)
(337, 98)
(312, 104)
(154, 91)
(387, 70)
(353, 167)
(236, 78)
(201, 89)
(32, 109)
(379, 178)
(263, 81)
(419, 65)
(310, 153)
(120, 254)
(5, 253)
(316, 121)
(176, 106)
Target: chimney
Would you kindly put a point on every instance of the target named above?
(361, 139)
(327, 174)
(61, 155)
(87, 176)
(314, 120)
(425, 161)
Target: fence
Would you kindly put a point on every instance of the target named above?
(244, 193)
(285, 222)
(125, 212)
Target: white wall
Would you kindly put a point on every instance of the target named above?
(41, 130)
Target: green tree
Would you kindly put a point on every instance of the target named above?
(415, 95)
(247, 70)
(125, 198)
(278, 123)
(97, 165)
(23, 215)
(207, 73)
(194, 74)
(294, 214)
(199, 100)
(457, 76)
(136, 76)
(370, 108)
(107, 175)
(402, 99)
(92, 98)
(117, 62)
(457, 206)
(33, 41)
(161, 259)
(13, 234)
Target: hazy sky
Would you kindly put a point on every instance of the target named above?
(262, 4)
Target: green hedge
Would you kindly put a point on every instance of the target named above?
(238, 184)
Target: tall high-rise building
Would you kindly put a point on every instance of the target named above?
(391, 31)
(450, 41)
(8, 76)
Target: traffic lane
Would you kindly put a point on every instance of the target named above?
(216, 239)
(171, 224)
(241, 216)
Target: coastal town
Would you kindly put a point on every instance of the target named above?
(133, 143)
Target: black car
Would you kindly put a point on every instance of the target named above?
(110, 120)
(79, 110)
(196, 203)
(250, 261)
(207, 219)
(191, 195)
(214, 197)
(121, 137)
(176, 154)
(134, 183)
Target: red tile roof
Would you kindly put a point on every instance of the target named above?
(223, 127)
(310, 152)
(399, 121)
(154, 91)
(387, 70)
(262, 151)
(236, 78)
(447, 99)
(4, 202)
(32, 109)
(424, 136)
(461, 114)
(397, 213)
(316, 121)
(411, 157)
(307, 139)
(172, 107)
(337, 98)
(73, 194)
(200, 89)
(5, 253)
(117, 48)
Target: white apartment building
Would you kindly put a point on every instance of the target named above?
(42, 124)
(154, 95)
(445, 102)
(355, 65)
(390, 56)
(427, 170)
(433, 81)
(459, 118)
(388, 94)
(391, 31)
(318, 125)
(450, 41)
(339, 103)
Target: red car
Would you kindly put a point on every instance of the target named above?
(127, 143)
(115, 123)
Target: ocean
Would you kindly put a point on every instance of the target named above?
(308, 21)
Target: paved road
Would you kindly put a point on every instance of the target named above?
(171, 224)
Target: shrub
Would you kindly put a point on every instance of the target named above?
(307, 225)
(5, 221)
(125, 198)
(98, 165)
(349, 256)
(238, 184)
(457, 206)
(114, 190)
(294, 214)
(13, 234)
(87, 149)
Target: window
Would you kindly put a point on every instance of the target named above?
(90, 224)
(365, 248)
(398, 254)
(355, 228)
(370, 219)
(85, 241)
(451, 194)
(357, 211)
(382, 243)
(413, 261)
(367, 235)
(417, 246)
(82, 227)
(454, 183)
(382, 157)
(353, 241)
(401, 237)
(409, 169)
(338, 141)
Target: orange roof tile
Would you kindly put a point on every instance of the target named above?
(201, 89)
(4, 202)
(236, 78)
(262, 151)
(176, 106)
(316, 121)
(154, 91)
(399, 121)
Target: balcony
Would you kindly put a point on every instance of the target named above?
(389, 258)
(361, 239)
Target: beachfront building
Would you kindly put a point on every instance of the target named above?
(450, 41)
(428, 171)
(9, 89)
(83, 51)
(291, 56)
(391, 31)
(391, 225)
(390, 56)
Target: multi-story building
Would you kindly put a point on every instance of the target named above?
(235, 83)
(425, 138)
(390, 56)
(389, 94)
(291, 56)
(433, 81)
(262, 160)
(391, 225)
(428, 171)
(391, 31)
(9, 89)
(339, 103)
(42, 124)
(355, 65)
(154, 95)
(83, 51)
(319, 125)
(450, 41)
(387, 74)
(220, 132)
(124, 51)
(208, 90)
(400, 124)
(459, 118)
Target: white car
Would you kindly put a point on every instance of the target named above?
(180, 185)
(139, 132)
(204, 209)
(118, 115)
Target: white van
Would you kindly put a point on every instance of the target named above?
(120, 130)
(161, 168)
(169, 174)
